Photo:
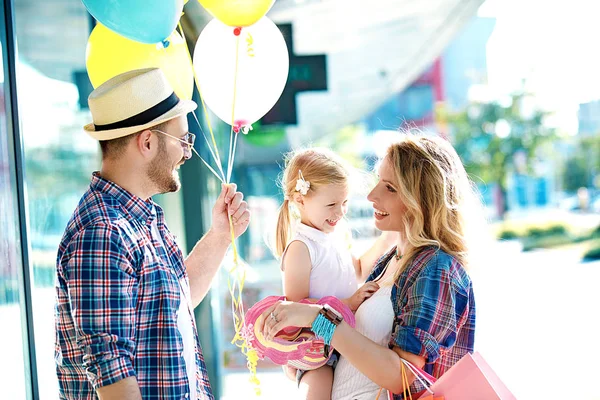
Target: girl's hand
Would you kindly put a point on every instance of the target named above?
(287, 313)
(363, 293)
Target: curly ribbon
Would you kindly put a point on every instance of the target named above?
(249, 43)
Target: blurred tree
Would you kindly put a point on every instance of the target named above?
(494, 138)
(575, 173)
(582, 164)
(591, 148)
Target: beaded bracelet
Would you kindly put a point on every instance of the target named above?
(324, 326)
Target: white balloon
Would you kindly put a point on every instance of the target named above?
(262, 70)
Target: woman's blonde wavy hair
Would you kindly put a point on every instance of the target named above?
(320, 167)
(437, 194)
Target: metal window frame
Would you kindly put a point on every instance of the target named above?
(16, 144)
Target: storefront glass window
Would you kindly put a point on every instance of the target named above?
(13, 382)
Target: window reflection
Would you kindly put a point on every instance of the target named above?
(12, 369)
(59, 156)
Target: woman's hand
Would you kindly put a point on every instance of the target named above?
(286, 313)
(363, 293)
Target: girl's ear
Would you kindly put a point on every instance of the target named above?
(298, 199)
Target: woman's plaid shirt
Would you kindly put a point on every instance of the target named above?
(434, 305)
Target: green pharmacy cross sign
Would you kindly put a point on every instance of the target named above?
(307, 73)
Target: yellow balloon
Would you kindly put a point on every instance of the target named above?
(237, 12)
(109, 54)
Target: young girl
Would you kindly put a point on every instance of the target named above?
(315, 259)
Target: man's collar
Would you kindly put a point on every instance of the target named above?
(144, 210)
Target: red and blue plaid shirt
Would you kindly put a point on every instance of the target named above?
(118, 293)
(435, 310)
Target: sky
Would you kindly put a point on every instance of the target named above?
(552, 46)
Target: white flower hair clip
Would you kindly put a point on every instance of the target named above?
(302, 185)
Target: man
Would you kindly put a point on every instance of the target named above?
(125, 295)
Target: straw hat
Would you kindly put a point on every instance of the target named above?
(293, 346)
(133, 101)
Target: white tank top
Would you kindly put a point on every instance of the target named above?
(332, 272)
(374, 319)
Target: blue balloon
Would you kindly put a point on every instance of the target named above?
(146, 21)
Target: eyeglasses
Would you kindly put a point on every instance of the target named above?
(187, 141)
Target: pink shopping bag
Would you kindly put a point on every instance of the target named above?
(471, 378)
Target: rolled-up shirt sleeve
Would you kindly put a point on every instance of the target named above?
(430, 313)
(102, 288)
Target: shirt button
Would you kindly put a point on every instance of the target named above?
(187, 395)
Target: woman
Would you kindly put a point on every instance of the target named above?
(424, 310)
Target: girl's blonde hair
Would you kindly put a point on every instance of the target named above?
(437, 194)
(317, 166)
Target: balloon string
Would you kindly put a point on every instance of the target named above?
(208, 166)
(206, 116)
(234, 147)
(235, 73)
(209, 148)
(237, 304)
(235, 288)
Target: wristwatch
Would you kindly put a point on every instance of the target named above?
(331, 314)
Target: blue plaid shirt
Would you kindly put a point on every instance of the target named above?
(118, 293)
(434, 305)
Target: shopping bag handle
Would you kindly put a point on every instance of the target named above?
(405, 385)
(420, 375)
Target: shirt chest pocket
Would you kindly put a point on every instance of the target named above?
(159, 282)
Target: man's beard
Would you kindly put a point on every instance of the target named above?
(161, 174)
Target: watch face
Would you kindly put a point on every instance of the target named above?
(330, 310)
